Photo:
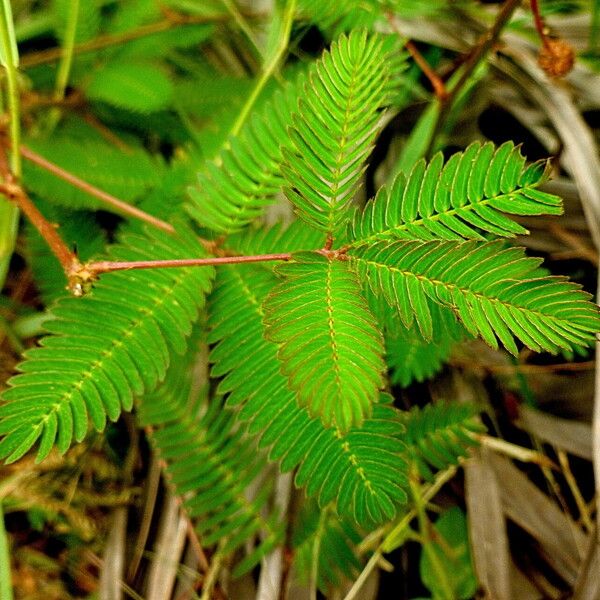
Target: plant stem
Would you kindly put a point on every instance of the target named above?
(475, 56)
(9, 214)
(595, 25)
(584, 514)
(486, 42)
(212, 575)
(539, 22)
(389, 543)
(114, 39)
(6, 26)
(427, 543)
(241, 22)
(66, 60)
(119, 206)
(98, 267)
(5, 571)
(438, 85)
(436, 82)
(14, 192)
(316, 551)
(108, 266)
(269, 67)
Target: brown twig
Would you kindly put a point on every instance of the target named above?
(483, 46)
(436, 82)
(108, 266)
(105, 41)
(580, 248)
(80, 276)
(474, 57)
(15, 193)
(118, 205)
(539, 22)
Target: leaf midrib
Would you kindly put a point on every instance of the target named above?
(420, 221)
(464, 291)
(99, 364)
(331, 327)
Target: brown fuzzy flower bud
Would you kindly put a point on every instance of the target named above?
(556, 57)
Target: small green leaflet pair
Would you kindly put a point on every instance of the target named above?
(426, 239)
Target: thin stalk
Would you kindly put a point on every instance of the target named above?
(517, 452)
(595, 25)
(241, 22)
(114, 39)
(9, 225)
(539, 22)
(9, 214)
(474, 58)
(485, 44)
(67, 259)
(269, 67)
(66, 60)
(316, 551)
(14, 109)
(117, 205)
(108, 266)
(428, 548)
(211, 577)
(389, 542)
(5, 573)
(584, 514)
(436, 82)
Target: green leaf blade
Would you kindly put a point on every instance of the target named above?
(496, 292)
(123, 349)
(325, 457)
(462, 200)
(334, 129)
(330, 347)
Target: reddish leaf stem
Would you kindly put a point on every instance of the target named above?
(436, 82)
(483, 46)
(109, 199)
(539, 22)
(108, 266)
(65, 256)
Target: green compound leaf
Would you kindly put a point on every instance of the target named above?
(329, 345)
(463, 199)
(334, 131)
(497, 292)
(212, 465)
(440, 434)
(410, 358)
(106, 347)
(234, 189)
(363, 472)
